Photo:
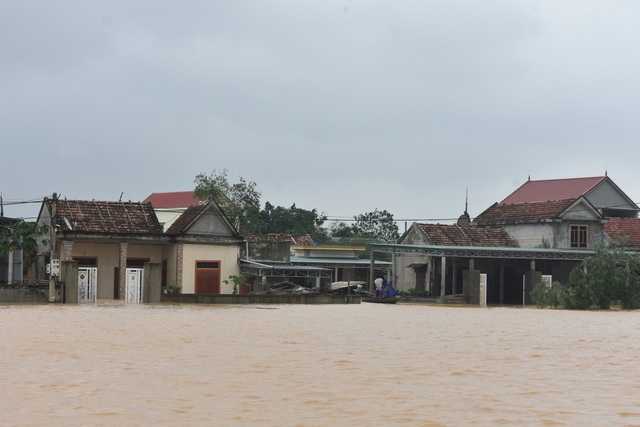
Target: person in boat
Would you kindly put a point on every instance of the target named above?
(389, 291)
(379, 283)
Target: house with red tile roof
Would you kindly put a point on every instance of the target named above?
(114, 243)
(600, 191)
(552, 225)
(424, 272)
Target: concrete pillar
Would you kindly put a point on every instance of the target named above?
(428, 274)
(454, 278)
(471, 285)
(179, 261)
(152, 283)
(69, 276)
(122, 279)
(10, 269)
(443, 276)
(501, 281)
(372, 270)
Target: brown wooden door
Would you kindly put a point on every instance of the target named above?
(207, 277)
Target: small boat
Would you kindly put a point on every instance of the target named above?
(381, 300)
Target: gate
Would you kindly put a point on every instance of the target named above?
(133, 289)
(87, 284)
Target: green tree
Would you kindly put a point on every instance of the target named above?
(22, 235)
(612, 273)
(377, 225)
(295, 221)
(240, 201)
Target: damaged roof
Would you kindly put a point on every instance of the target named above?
(456, 235)
(105, 217)
(501, 213)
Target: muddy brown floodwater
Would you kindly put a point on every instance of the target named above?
(291, 365)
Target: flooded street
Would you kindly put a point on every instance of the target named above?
(292, 365)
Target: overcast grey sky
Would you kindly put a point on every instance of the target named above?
(342, 106)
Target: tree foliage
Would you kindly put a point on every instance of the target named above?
(377, 225)
(22, 235)
(612, 273)
(294, 221)
(240, 201)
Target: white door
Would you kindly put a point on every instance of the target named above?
(87, 284)
(134, 285)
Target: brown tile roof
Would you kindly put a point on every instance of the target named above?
(501, 213)
(455, 235)
(106, 217)
(625, 230)
(175, 199)
(553, 189)
(183, 220)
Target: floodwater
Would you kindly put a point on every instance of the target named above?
(291, 365)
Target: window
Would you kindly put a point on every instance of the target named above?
(579, 234)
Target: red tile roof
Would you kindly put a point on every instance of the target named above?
(501, 213)
(176, 199)
(455, 235)
(553, 189)
(625, 230)
(106, 217)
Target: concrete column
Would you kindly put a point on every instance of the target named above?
(122, 279)
(443, 275)
(454, 278)
(69, 276)
(501, 281)
(179, 260)
(152, 282)
(372, 264)
(10, 269)
(471, 285)
(429, 284)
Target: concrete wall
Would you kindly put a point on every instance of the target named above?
(227, 255)
(24, 293)
(263, 299)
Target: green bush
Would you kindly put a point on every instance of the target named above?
(612, 273)
(553, 296)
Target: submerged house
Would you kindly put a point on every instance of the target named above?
(552, 225)
(113, 244)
